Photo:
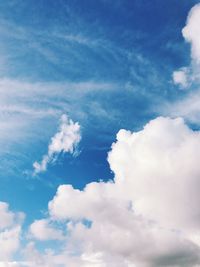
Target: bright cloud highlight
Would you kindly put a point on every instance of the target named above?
(65, 140)
(147, 215)
(43, 230)
(191, 32)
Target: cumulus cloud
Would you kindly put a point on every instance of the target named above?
(158, 168)
(9, 242)
(7, 217)
(188, 107)
(65, 140)
(10, 232)
(43, 230)
(188, 77)
(147, 216)
(191, 32)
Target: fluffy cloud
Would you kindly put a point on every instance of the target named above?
(9, 242)
(191, 32)
(65, 140)
(158, 169)
(147, 216)
(188, 77)
(188, 107)
(10, 231)
(151, 204)
(43, 230)
(7, 217)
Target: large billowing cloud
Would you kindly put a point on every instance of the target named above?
(65, 140)
(147, 216)
(158, 169)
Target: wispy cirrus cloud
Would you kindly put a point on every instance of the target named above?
(24, 104)
(29, 113)
(154, 169)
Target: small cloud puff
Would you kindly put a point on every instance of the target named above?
(180, 77)
(44, 230)
(65, 140)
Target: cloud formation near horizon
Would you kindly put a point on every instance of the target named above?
(65, 140)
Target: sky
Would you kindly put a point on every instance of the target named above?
(99, 133)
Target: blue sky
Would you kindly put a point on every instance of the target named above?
(107, 65)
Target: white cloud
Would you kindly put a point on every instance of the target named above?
(160, 166)
(9, 242)
(10, 232)
(29, 110)
(180, 77)
(188, 107)
(151, 205)
(146, 217)
(15, 264)
(7, 217)
(191, 32)
(65, 140)
(43, 230)
(184, 77)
